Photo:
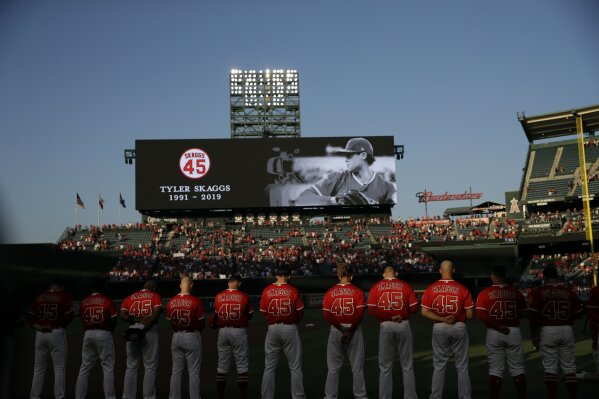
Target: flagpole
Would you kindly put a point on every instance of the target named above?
(425, 205)
(118, 205)
(98, 209)
(470, 196)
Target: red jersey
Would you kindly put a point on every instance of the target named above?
(281, 303)
(345, 304)
(185, 312)
(392, 297)
(500, 305)
(142, 303)
(234, 308)
(593, 304)
(53, 309)
(377, 190)
(95, 311)
(554, 305)
(448, 298)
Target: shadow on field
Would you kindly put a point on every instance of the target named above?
(314, 358)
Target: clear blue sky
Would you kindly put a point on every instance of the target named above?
(82, 80)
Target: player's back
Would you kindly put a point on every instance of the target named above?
(96, 311)
(393, 296)
(142, 303)
(280, 303)
(342, 301)
(53, 308)
(233, 307)
(555, 305)
(502, 303)
(184, 311)
(448, 298)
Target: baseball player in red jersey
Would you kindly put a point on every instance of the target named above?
(391, 301)
(343, 307)
(186, 314)
(142, 310)
(500, 307)
(233, 309)
(49, 314)
(283, 309)
(99, 318)
(358, 177)
(553, 308)
(449, 304)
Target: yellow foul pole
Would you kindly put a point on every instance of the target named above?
(584, 182)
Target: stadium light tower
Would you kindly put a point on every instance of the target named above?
(264, 103)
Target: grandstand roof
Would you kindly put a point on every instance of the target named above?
(559, 124)
(459, 210)
(486, 206)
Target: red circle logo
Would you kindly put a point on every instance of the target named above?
(194, 163)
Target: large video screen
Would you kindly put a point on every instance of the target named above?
(263, 173)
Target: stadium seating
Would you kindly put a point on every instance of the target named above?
(573, 268)
(548, 189)
(543, 161)
(215, 251)
(554, 170)
(469, 229)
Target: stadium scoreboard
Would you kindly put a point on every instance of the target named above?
(213, 174)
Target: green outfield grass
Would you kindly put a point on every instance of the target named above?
(314, 341)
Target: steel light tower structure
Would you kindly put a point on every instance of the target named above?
(264, 103)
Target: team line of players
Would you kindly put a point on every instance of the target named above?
(553, 308)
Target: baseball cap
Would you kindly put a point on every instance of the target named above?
(235, 277)
(356, 146)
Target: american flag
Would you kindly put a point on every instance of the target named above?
(79, 202)
(100, 201)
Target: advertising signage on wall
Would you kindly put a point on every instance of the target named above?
(427, 196)
(264, 173)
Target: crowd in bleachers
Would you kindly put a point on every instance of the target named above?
(472, 228)
(251, 250)
(505, 229)
(573, 221)
(257, 249)
(574, 268)
(428, 229)
(111, 237)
